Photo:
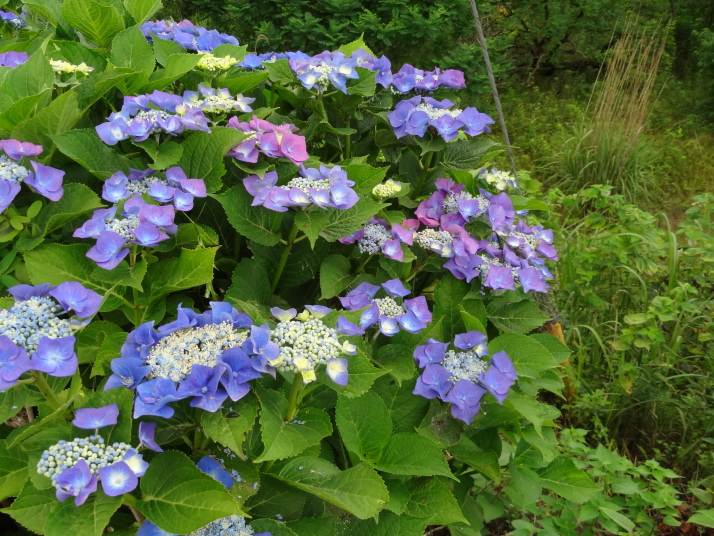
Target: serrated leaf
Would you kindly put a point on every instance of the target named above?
(335, 276)
(142, 10)
(365, 176)
(448, 297)
(13, 471)
(124, 275)
(275, 528)
(411, 454)
(55, 264)
(365, 425)
(468, 154)
(515, 317)
(354, 46)
(13, 400)
(565, 479)
(90, 519)
(77, 200)
(30, 78)
(241, 82)
(32, 507)
(130, 49)
(432, 501)
(358, 490)
(621, 519)
(192, 268)
(177, 65)
(284, 439)
(203, 154)
(340, 223)
(84, 147)
(60, 116)
(524, 487)
(250, 283)
(279, 71)
(180, 498)
(229, 427)
(365, 85)
(529, 357)
(99, 22)
(256, 223)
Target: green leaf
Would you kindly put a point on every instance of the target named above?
(203, 154)
(76, 201)
(275, 528)
(484, 461)
(529, 357)
(50, 10)
(98, 83)
(358, 490)
(242, 82)
(131, 49)
(192, 268)
(619, 518)
(571, 483)
(142, 10)
(180, 498)
(335, 223)
(31, 78)
(365, 176)
(365, 85)
(469, 154)
(411, 454)
(22, 109)
(471, 323)
(229, 427)
(335, 276)
(60, 116)
(406, 408)
(13, 471)
(13, 400)
(76, 53)
(55, 264)
(90, 519)
(524, 487)
(84, 147)
(164, 49)
(705, 518)
(177, 65)
(255, 223)
(98, 21)
(123, 275)
(32, 507)
(432, 501)
(280, 72)
(285, 439)
(448, 297)
(250, 283)
(399, 359)
(91, 341)
(124, 399)
(364, 424)
(515, 317)
(354, 46)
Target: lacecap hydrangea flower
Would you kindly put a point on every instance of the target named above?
(211, 63)
(211, 100)
(187, 35)
(13, 20)
(414, 116)
(409, 78)
(37, 332)
(207, 357)
(154, 113)
(302, 342)
(63, 67)
(13, 59)
(378, 236)
(274, 141)
(498, 179)
(461, 377)
(410, 315)
(227, 526)
(138, 223)
(175, 188)
(324, 187)
(323, 69)
(75, 467)
(44, 180)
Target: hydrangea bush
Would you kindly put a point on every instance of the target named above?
(259, 294)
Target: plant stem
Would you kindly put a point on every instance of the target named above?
(294, 397)
(130, 501)
(46, 390)
(362, 264)
(424, 172)
(283, 259)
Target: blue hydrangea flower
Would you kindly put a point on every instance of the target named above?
(461, 377)
(13, 20)
(378, 236)
(187, 35)
(414, 116)
(93, 418)
(37, 332)
(77, 482)
(324, 187)
(146, 435)
(201, 356)
(45, 180)
(215, 469)
(227, 526)
(410, 315)
(409, 78)
(175, 188)
(323, 69)
(302, 342)
(211, 100)
(13, 59)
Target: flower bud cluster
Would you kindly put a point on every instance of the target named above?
(228, 526)
(388, 188)
(45, 180)
(462, 378)
(186, 35)
(92, 450)
(211, 100)
(212, 63)
(29, 321)
(63, 67)
(414, 116)
(324, 187)
(274, 141)
(500, 180)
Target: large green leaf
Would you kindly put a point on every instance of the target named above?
(180, 498)
(468, 154)
(565, 479)
(31, 78)
(130, 49)
(230, 427)
(241, 82)
(22, 109)
(84, 147)
(250, 283)
(256, 223)
(411, 454)
(192, 268)
(77, 200)
(203, 154)
(60, 116)
(90, 519)
(56, 263)
(515, 317)
(32, 507)
(358, 490)
(365, 425)
(284, 439)
(142, 10)
(432, 501)
(98, 21)
(529, 356)
(13, 471)
(448, 297)
(705, 518)
(335, 276)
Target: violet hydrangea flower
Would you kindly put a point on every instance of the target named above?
(226, 526)
(462, 377)
(324, 69)
(274, 141)
(410, 315)
(93, 418)
(36, 333)
(187, 35)
(409, 78)
(211, 100)
(414, 116)
(12, 59)
(378, 236)
(176, 187)
(201, 356)
(45, 180)
(13, 20)
(324, 187)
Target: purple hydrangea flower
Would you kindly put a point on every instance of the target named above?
(13, 20)
(13, 59)
(274, 141)
(89, 418)
(324, 69)
(146, 435)
(118, 479)
(77, 482)
(409, 78)
(45, 180)
(210, 100)
(214, 469)
(187, 35)
(176, 187)
(378, 236)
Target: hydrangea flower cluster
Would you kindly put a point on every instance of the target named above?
(13, 59)
(256, 61)
(388, 188)
(227, 526)
(75, 467)
(211, 100)
(323, 69)
(186, 35)
(36, 333)
(409, 78)
(274, 141)
(378, 236)
(463, 377)
(500, 180)
(212, 64)
(45, 180)
(410, 315)
(63, 67)
(413, 116)
(13, 20)
(144, 115)
(202, 356)
(302, 342)
(324, 187)
(138, 223)
(176, 187)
